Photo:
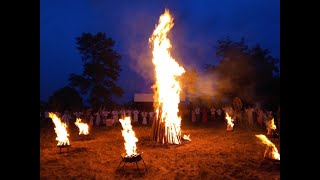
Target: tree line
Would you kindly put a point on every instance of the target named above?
(252, 74)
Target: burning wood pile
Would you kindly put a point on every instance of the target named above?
(166, 125)
(83, 127)
(131, 154)
(230, 123)
(271, 152)
(61, 131)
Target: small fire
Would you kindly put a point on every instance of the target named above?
(60, 129)
(271, 126)
(129, 137)
(271, 150)
(83, 127)
(167, 88)
(229, 122)
(186, 137)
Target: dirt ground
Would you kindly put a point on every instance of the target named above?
(212, 153)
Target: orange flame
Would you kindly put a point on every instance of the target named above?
(60, 129)
(129, 137)
(270, 126)
(186, 137)
(229, 122)
(83, 127)
(271, 150)
(167, 88)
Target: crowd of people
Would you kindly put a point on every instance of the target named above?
(246, 116)
(103, 117)
(110, 117)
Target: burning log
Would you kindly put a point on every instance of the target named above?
(166, 125)
(131, 155)
(230, 123)
(271, 152)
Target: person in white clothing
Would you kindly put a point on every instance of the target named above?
(115, 116)
(144, 115)
(98, 118)
(65, 118)
(135, 116)
(212, 112)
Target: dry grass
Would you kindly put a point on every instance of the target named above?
(213, 153)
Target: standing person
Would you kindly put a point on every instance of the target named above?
(144, 115)
(197, 114)
(193, 115)
(91, 117)
(204, 115)
(129, 113)
(260, 115)
(105, 114)
(151, 117)
(135, 116)
(98, 118)
(212, 113)
(115, 116)
(122, 113)
(65, 118)
(219, 113)
(249, 112)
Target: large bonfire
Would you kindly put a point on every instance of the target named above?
(166, 126)
(129, 137)
(60, 129)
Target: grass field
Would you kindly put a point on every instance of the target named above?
(212, 153)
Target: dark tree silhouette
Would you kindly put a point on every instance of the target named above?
(248, 73)
(101, 69)
(66, 98)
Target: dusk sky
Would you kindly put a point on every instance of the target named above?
(198, 25)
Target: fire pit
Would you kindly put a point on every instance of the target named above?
(66, 146)
(131, 159)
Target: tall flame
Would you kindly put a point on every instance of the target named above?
(229, 122)
(60, 129)
(129, 137)
(271, 150)
(167, 88)
(83, 127)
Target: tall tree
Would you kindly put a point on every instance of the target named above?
(101, 69)
(66, 98)
(246, 72)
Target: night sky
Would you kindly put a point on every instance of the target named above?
(198, 26)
